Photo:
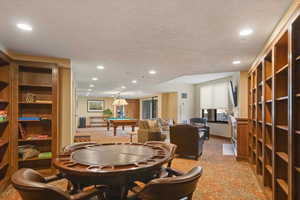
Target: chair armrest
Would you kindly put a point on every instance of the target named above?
(53, 178)
(86, 195)
(174, 172)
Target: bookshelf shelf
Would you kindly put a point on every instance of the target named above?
(269, 169)
(34, 159)
(269, 146)
(283, 127)
(284, 186)
(36, 85)
(3, 83)
(297, 169)
(283, 156)
(269, 79)
(37, 139)
(268, 124)
(3, 165)
(298, 58)
(282, 69)
(268, 101)
(36, 103)
(285, 98)
(3, 143)
(4, 101)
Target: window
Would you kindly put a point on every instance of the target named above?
(149, 109)
(215, 115)
(214, 96)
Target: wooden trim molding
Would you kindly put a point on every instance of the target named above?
(280, 29)
(60, 62)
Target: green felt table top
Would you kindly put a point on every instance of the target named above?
(115, 118)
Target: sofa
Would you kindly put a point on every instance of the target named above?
(149, 130)
(189, 140)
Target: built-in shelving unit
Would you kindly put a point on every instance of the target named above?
(37, 112)
(274, 116)
(5, 109)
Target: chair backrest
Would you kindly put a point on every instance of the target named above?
(143, 124)
(171, 147)
(183, 135)
(73, 147)
(198, 121)
(172, 188)
(31, 186)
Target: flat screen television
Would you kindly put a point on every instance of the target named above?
(233, 94)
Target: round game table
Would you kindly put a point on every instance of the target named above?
(116, 165)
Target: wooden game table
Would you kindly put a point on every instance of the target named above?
(115, 165)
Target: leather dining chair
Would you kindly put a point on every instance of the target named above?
(172, 188)
(33, 186)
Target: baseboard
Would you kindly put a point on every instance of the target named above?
(220, 136)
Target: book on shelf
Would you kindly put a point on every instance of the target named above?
(29, 118)
(37, 137)
(22, 131)
(45, 155)
(43, 101)
(3, 116)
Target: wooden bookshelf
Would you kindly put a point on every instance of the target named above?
(277, 115)
(295, 115)
(5, 126)
(37, 101)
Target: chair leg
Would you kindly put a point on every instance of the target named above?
(190, 197)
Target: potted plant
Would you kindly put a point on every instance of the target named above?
(107, 113)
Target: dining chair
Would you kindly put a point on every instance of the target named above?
(172, 188)
(33, 186)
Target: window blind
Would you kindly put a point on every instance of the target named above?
(214, 96)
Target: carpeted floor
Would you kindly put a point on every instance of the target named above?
(223, 179)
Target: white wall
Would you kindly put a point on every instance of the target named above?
(186, 107)
(2, 48)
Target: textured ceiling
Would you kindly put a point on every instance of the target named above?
(174, 37)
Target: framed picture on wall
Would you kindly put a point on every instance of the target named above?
(95, 105)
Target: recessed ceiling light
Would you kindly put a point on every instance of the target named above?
(246, 32)
(236, 62)
(100, 67)
(123, 87)
(134, 81)
(89, 90)
(152, 72)
(91, 85)
(95, 79)
(25, 27)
